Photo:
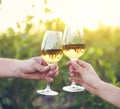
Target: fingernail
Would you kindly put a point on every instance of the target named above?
(47, 67)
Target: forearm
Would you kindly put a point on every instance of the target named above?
(8, 67)
(109, 92)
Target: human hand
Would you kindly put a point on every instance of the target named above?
(37, 68)
(90, 80)
(85, 73)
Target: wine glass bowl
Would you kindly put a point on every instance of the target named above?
(51, 52)
(73, 48)
(74, 51)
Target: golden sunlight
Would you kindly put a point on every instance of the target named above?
(86, 13)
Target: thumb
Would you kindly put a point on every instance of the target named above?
(44, 68)
(41, 68)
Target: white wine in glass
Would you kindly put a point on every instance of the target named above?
(51, 52)
(73, 48)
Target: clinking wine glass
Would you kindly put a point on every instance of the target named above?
(73, 48)
(51, 52)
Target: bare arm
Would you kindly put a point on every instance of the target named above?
(109, 93)
(34, 68)
(90, 80)
(9, 67)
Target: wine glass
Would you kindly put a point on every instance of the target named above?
(51, 52)
(73, 48)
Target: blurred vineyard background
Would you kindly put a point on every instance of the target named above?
(103, 52)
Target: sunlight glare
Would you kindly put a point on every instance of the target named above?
(13, 11)
(86, 13)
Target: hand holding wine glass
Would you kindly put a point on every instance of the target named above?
(73, 48)
(51, 52)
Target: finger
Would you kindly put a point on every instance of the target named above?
(44, 69)
(44, 63)
(38, 76)
(83, 63)
(55, 72)
(76, 80)
(77, 67)
(52, 73)
(41, 68)
(71, 68)
(38, 65)
(68, 63)
(54, 67)
(40, 60)
(34, 76)
(49, 79)
(74, 73)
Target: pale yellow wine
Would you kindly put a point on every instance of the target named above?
(74, 50)
(52, 55)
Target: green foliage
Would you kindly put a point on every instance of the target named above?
(103, 51)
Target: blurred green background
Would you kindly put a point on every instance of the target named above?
(102, 51)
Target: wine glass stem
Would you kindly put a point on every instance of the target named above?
(73, 84)
(48, 87)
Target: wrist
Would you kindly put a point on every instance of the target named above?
(99, 87)
(17, 69)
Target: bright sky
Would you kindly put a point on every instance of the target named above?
(86, 13)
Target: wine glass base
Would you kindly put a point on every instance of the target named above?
(73, 88)
(47, 92)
